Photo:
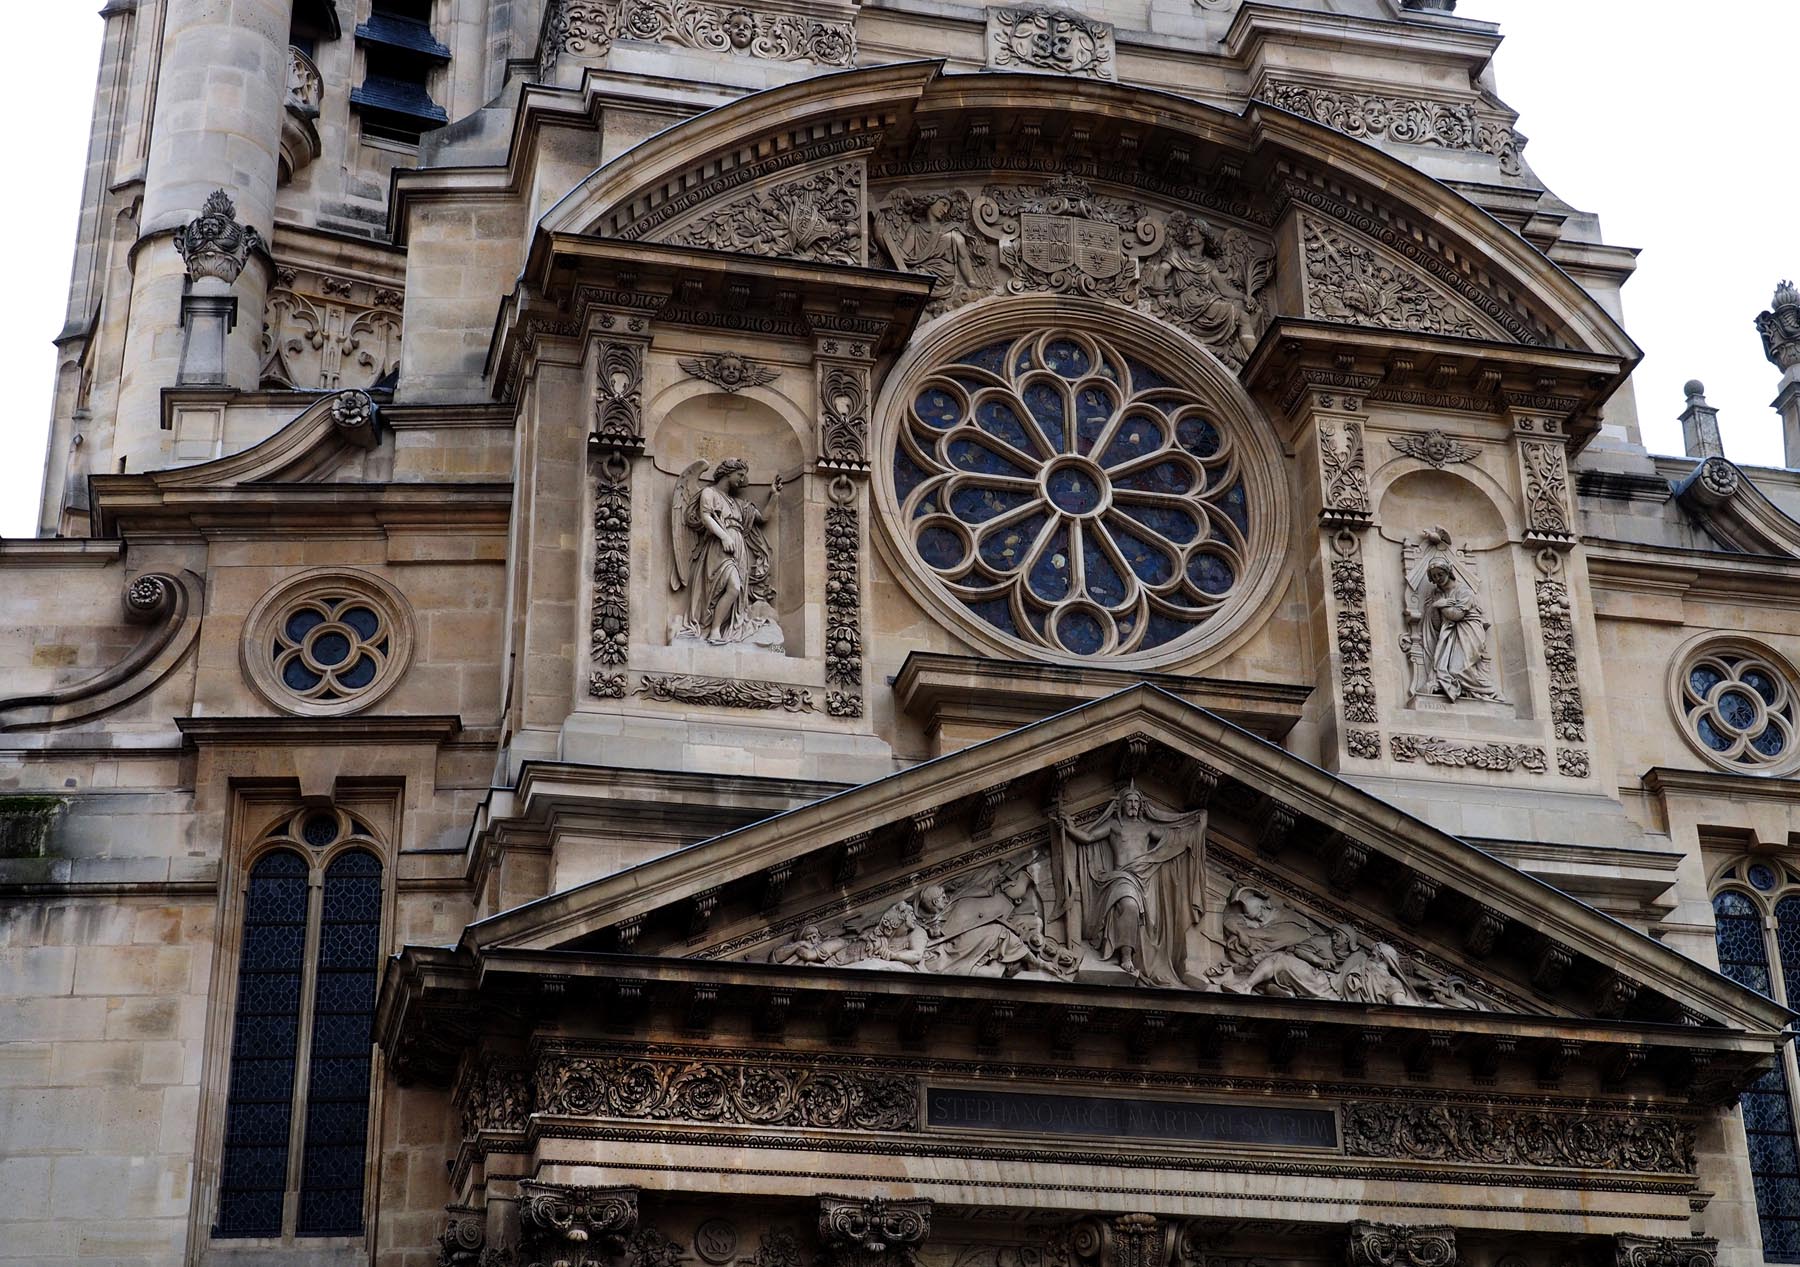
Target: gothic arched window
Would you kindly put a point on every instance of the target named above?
(296, 1133)
(1757, 926)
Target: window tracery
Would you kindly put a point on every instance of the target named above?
(327, 644)
(1737, 706)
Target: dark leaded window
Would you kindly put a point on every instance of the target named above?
(258, 1112)
(1768, 1104)
(337, 1100)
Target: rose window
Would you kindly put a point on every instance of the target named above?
(1073, 497)
(327, 644)
(1739, 709)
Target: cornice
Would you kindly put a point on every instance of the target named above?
(257, 732)
(1456, 40)
(1665, 781)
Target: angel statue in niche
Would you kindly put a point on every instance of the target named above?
(722, 558)
(1132, 885)
(1449, 634)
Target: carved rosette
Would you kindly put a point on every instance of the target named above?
(1390, 1245)
(872, 1232)
(1039, 37)
(843, 602)
(579, 1226)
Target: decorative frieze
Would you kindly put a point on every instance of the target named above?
(1434, 448)
(1039, 37)
(610, 617)
(322, 331)
(1351, 283)
(843, 602)
(803, 1095)
(587, 28)
(872, 1231)
(1433, 750)
(681, 688)
(497, 1097)
(815, 217)
(1664, 1251)
(1410, 121)
(1390, 1245)
(1356, 678)
(728, 371)
(1478, 1135)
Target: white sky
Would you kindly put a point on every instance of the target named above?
(1665, 118)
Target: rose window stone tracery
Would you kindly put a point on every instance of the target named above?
(1740, 710)
(1073, 496)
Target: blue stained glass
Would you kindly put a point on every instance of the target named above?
(1770, 743)
(1046, 405)
(978, 459)
(1067, 358)
(319, 830)
(1738, 710)
(1152, 565)
(1104, 584)
(331, 648)
(298, 677)
(1093, 407)
(1081, 632)
(303, 622)
(1762, 684)
(1237, 507)
(1743, 956)
(1004, 549)
(908, 474)
(1787, 944)
(1171, 478)
(1166, 521)
(1702, 678)
(1073, 491)
(361, 619)
(999, 420)
(998, 613)
(337, 1107)
(1197, 436)
(991, 358)
(1761, 877)
(1211, 574)
(1022, 362)
(1051, 573)
(1160, 629)
(359, 674)
(1143, 378)
(937, 408)
(941, 548)
(1710, 736)
(1137, 436)
(974, 504)
(266, 1028)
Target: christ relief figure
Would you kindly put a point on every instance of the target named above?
(1132, 886)
(722, 558)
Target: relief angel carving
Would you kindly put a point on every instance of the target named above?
(1208, 281)
(722, 558)
(929, 233)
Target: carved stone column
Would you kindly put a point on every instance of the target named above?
(564, 1225)
(872, 1232)
(1129, 1240)
(1651, 1251)
(616, 354)
(1391, 1245)
(843, 361)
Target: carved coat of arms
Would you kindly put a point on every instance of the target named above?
(1061, 236)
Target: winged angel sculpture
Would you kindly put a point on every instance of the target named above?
(1207, 281)
(721, 557)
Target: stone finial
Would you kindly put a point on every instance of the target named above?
(1780, 330)
(1700, 424)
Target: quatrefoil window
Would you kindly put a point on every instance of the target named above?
(327, 644)
(1072, 496)
(1740, 709)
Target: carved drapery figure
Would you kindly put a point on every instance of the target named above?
(928, 233)
(1449, 633)
(722, 559)
(1132, 885)
(1207, 282)
(1272, 949)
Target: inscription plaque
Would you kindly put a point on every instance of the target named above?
(1130, 1118)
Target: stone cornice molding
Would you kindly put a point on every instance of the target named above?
(139, 508)
(1459, 41)
(1724, 497)
(262, 732)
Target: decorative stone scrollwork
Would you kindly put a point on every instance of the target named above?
(1434, 448)
(323, 332)
(728, 371)
(1449, 634)
(724, 692)
(587, 28)
(844, 417)
(1567, 712)
(1388, 1245)
(214, 244)
(1780, 327)
(1480, 756)
(1546, 488)
(815, 217)
(610, 623)
(1650, 1251)
(498, 1098)
(843, 602)
(730, 1094)
(1423, 1131)
(1363, 744)
(1409, 121)
(872, 1232)
(619, 397)
(577, 1226)
(460, 1243)
(305, 86)
(1039, 37)
(1129, 1240)
(1349, 282)
(1355, 674)
(722, 559)
(1346, 481)
(1573, 763)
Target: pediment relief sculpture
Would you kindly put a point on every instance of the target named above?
(721, 558)
(1127, 896)
(1449, 630)
(817, 216)
(1064, 237)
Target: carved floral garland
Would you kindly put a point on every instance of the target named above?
(843, 607)
(588, 28)
(712, 1091)
(1350, 590)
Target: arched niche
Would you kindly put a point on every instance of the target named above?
(706, 426)
(1426, 514)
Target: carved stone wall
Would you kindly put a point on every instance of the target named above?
(323, 331)
(587, 28)
(1410, 120)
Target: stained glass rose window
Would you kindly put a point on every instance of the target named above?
(1073, 495)
(1739, 709)
(327, 643)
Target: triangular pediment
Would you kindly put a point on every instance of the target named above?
(1244, 872)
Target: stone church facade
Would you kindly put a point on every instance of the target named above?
(901, 635)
